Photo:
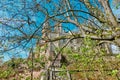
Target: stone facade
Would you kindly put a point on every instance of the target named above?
(52, 47)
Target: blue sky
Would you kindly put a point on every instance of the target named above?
(9, 8)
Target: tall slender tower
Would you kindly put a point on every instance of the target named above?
(58, 32)
(45, 36)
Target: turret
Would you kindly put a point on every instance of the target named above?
(58, 32)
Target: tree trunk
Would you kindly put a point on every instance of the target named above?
(108, 12)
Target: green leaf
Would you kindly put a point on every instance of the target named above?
(114, 72)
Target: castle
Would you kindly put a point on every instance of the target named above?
(53, 46)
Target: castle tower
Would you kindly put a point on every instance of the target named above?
(45, 36)
(45, 30)
(58, 30)
(50, 47)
